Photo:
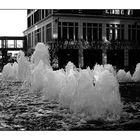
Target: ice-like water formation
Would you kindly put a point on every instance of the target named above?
(84, 95)
(53, 84)
(92, 92)
(10, 71)
(136, 75)
(69, 89)
(41, 53)
(37, 77)
(123, 76)
(24, 70)
(17, 71)
(110, 68)
(95, 100)
(107, 88)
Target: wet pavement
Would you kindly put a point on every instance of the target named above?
(21, 109)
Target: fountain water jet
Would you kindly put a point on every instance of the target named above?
(123, 76)
(136, 75)
(92, 92)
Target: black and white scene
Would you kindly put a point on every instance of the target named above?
(70, 70)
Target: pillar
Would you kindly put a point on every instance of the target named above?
(81, 58)
(126, 56)
(104, 51)
(80, 36)
(33, 38)
(103, 30)
(41, 34)
(104, 56)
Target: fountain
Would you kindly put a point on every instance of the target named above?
(136, 75)
(123, 76)
(93, 92)
(10, 71)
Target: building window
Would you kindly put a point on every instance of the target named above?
(59, 31)
(92, 31)
(0, 43)
(46, 13)
(76, 31)
(32, 39)
(37, 16)
(67, 31)
(11, 44)
(32, 19)
(43, 15)
(19, 43)
(43, 34)
(29, 21)
(115, 32)
(138, 33)
(48, 32)
(37, 36)
(28, 40)
(134, 32)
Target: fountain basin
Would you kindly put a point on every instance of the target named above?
(129, 89)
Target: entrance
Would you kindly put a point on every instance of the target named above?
(66, 55)
(92, 57)
(116, 58)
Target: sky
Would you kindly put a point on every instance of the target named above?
(13, 22)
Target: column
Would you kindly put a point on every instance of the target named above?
(41, 34)
(81, 57)
(45, 34)
(104, 30)
(55, 29)
(33, 39)
(126, 59)
(104, 51)
(80, 36)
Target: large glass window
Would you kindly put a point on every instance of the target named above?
(92, 31)
(138, 33)
(37, 16)
(19, 43)
(29, 40)
(43, 11)
(76, 31)
(48, 32)
(64, 33)
(46, 13)
(32, 37)
(29, 22)
(115, 32)
(59, 31)
(43, 34)
(67, 31)
(0, 43)
(10, 43)
(134, 32)
(37, 36)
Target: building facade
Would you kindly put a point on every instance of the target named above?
(87, 37)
